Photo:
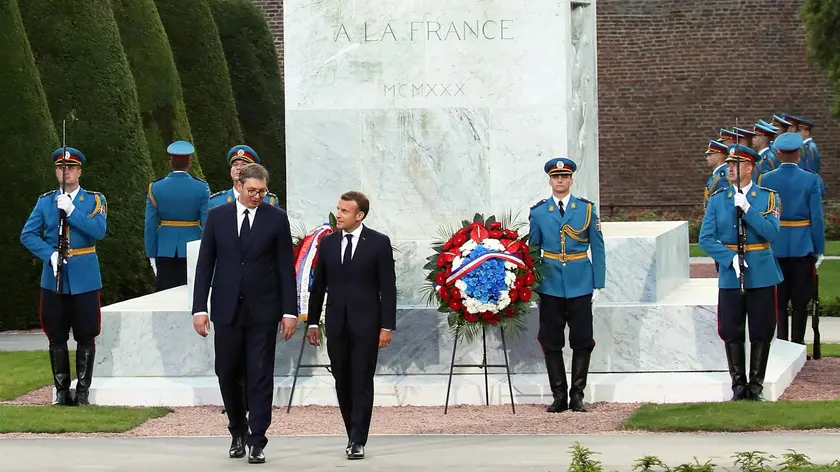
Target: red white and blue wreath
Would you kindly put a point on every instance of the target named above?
(482, 275)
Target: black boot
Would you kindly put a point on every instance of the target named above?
(84, 372)
(798, 325)
(557, 382)
(782, 324)
(759, 355)
(60, 363)
(580, 369)
(737, 359)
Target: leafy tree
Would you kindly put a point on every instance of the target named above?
(822, 38)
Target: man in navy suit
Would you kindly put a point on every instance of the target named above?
(356, 266)
(249, 244)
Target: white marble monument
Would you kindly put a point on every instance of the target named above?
(438, 110)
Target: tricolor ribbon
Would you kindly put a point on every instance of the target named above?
(304, 264)
(473, 264)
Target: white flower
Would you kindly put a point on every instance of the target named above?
(510, 265)
(493, 244)
(510, 278)
(467, 247)
(456, 262)
(461, 285)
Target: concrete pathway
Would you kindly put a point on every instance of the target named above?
(27, 342)
(403, 453)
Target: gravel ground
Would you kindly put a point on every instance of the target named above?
(818, 380)
(703, 271)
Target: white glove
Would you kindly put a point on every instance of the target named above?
(737, 267)
(65, 203)
(741, 202)
(595, 295)
(152, 263)
(819, 260)
(54, 263)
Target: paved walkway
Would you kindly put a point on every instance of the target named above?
(404, 453)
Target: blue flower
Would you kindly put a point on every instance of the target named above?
(486, 282)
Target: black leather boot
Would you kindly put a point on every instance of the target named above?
(759, 355)
(798, 325)
(557, 382)
(580, 369)
(84, 371)
(60, 364)
(736, 356)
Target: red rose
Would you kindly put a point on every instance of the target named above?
(455, 304)
(460, 239)
(494, 225)
(444, 294)
(495, 234)
(518, 283)
(494, 319)
(487, 315)
(455, 292)
(509, 312)
(513, 294)
(470, 317)
(529, 278)
(440, 278)
(525, 294)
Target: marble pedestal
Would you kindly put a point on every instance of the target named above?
(656, 331)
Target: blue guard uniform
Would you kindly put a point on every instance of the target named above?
(809, 153)
(77, 306)
(240, 155)
(769, 161)
(176, 209)
(564, 228)
(717, 180)
(801, 239)
(719, 239)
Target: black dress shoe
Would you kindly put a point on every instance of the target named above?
(347, 449)
(237, 447)
(357, 451)
(256, 456)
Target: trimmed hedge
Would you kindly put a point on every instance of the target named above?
(29, 138)
(257, 84)
(201, 65)
(87, 80)
(159, 92)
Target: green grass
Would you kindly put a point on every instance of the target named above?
(832, 248)
(736, 416)
(826, 349)
(24, 371)
(89, 419)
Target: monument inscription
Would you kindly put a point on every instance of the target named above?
(428, 30)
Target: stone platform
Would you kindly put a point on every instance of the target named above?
(656, 331)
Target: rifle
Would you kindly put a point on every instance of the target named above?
(742, 228)
(815, 320)
(62, 218)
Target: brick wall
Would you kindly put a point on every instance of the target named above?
(671, 73)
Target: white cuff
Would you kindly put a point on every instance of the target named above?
(290, 316)
(200, 313)
(313, 326)
(385, 329)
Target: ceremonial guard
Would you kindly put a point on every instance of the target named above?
(238, 157)
(176, 209)
(715, 155)
(62, 231)
(783, 123)
(757, 209)
(728, 137)
(765, 132)
(564, 227)
(745, 136)
(801, 239)
(810, 154)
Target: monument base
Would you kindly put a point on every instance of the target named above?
(786, 359)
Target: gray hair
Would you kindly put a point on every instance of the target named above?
(253, 171)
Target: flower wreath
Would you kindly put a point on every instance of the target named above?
(482, 276)
(305, 257)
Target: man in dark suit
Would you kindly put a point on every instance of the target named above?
(356, 266)
(249, 245)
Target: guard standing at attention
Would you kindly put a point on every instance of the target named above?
(176, 209)
(757, 304)
(564, 227)
(801, 239)
(238, 157)
(766, 133)
(715, 155)
(70, 282)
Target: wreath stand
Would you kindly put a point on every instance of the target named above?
(299, 365)
(484, 365)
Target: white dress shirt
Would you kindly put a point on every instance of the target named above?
(240, 217)
(565, 201)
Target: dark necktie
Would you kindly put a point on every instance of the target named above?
(560, 207)
(245, 232)
(348, 251)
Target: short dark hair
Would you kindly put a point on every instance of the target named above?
(253, 171)
(361, 200)
(179, 164)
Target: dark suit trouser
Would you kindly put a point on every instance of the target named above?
(797, 288)
(353, 364)
(758, 309)
(245, 350)
(171, 272)
(556, 313)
